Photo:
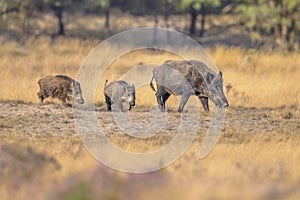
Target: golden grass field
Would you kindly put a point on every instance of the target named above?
(42, 157)
(261, 79)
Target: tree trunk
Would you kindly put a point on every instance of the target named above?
(58, 11)
(291, 35)
(277, 28)
(284, 28)
(166, 13)
(203, 14)
(61, 30)
(107, 18)
(155, 20)
(194, 15)
(284, 33)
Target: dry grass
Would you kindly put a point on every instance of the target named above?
(259, 79)
(23, 65)
(257, 156)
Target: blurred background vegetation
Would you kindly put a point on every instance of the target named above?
(271, 23)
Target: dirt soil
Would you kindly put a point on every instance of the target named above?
(35, 120)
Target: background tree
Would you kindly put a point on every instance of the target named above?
(57, 7)
(22, 9)
(27, 8)
(276, 18)
(199, 7)
(106, 6)
(172, 7)
(7, 7)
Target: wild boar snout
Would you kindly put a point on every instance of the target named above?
(80, 100)
(221, 102)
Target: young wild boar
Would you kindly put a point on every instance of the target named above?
(186, 78)
(119, 94)
(61, 87)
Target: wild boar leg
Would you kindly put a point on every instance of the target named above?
(119, 105)
(124, 107)
(159, 97)
(204, 101)
(108, 103)
(159, 102)
(183, 100)
(41, 96)
(164, 99)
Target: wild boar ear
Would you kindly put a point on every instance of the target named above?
(72, 85)
(133, 86)
(76, 84)
(209, 78)
(220, 74)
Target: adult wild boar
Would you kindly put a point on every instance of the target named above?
(119, 93)
(62, 87)
(186, 78)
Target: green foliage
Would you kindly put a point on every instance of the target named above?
(197, 3)
(271, 17)
(105, 4)
(278, 18)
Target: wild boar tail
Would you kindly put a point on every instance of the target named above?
(151, 84)
(106, 83)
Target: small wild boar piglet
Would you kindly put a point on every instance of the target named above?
(119, 96)
(62, 87)
(186, 78)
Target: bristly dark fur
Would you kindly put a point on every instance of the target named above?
(60, 87)
(117, 93)
(186, 78)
